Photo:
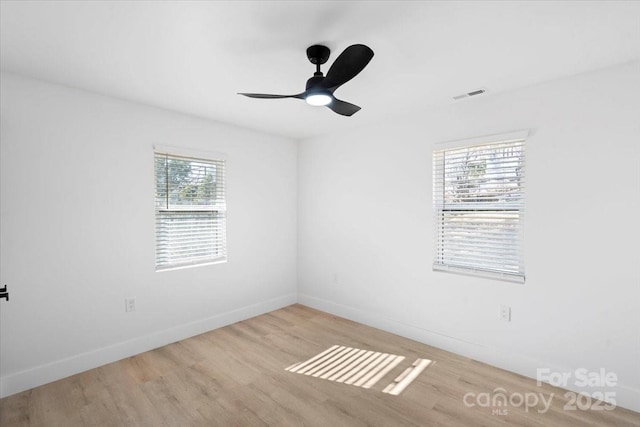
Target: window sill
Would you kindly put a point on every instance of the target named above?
(506, 277)
(182, 267)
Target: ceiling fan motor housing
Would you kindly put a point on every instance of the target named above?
(315, 81)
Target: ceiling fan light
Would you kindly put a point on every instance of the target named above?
(318, 99)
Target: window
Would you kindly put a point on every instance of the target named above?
(190, 210)
(478, 198)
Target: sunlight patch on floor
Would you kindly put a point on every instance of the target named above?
(361, 368)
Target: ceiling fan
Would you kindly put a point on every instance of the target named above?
(319, 90)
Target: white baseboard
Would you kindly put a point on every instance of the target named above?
(626, 395)
(43, 374)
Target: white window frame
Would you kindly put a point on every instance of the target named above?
(219, 209)
(443, 209)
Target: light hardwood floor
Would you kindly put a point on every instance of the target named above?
(234, 376)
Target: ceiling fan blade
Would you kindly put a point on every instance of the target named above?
(267, 96)
(343, 108)
(347, 66)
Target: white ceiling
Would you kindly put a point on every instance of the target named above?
(193, 57)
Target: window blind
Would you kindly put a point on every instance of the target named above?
(478, 193)
(190, 211)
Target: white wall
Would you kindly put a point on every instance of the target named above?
(365, 230)
(77, 231)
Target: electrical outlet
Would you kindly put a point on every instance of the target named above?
(505, 313)
(130, 304)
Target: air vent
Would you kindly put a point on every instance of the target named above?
(468, 94)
